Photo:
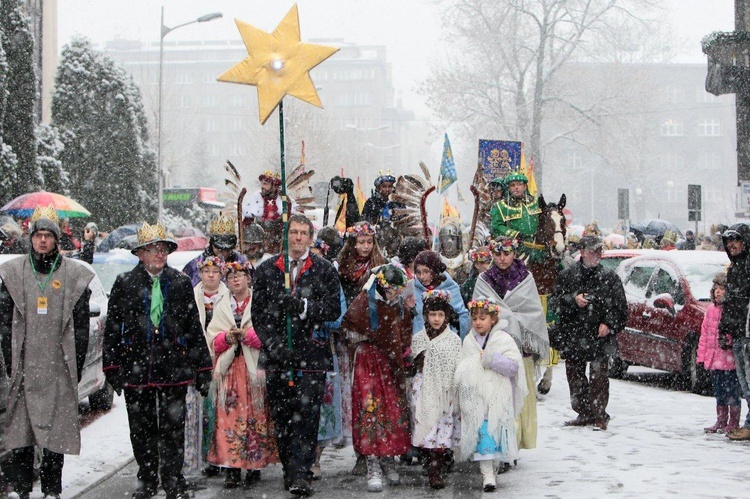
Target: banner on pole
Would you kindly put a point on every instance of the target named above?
(498, 158)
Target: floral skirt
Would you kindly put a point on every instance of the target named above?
(380, 416)
(345, 384)
(243, 434)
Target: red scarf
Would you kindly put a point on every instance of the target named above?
(240, 310)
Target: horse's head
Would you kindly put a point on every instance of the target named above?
(551, 231)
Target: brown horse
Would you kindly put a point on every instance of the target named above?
(549, 238)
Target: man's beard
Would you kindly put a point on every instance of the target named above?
(270, 193)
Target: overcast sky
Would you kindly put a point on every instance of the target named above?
(411, 29)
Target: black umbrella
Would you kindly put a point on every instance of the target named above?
(655, 227)
(117, 235)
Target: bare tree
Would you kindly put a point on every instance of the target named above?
(508, 54)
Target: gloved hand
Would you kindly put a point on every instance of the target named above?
(725, 342)
(203, 382)
(114, 378)
(292, 305)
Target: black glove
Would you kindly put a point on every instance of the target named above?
(292, 305)
(203, 382)
(114, 378)
(724, 342)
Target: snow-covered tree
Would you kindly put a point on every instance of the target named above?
(7, 158)
(49, 149)
(19, 119)
(97, 109)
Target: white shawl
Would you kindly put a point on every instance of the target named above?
(484, 394)
(440, 358)
(200, 301)
(223, 321)
(522, 308)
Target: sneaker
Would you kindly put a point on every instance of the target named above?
(739, 434)
(388, 466)
(374, 475)
(301, 487)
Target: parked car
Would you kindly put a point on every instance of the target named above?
(93, 384)
(668, 294)
(114, 262)
(611, 259)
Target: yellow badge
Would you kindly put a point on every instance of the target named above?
(41, 305)
(57, 284)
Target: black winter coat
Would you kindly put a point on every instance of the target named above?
(578, 328)
(318, 283)
(144, 355)
(734, 314)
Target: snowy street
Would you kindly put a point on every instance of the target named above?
(655, 447)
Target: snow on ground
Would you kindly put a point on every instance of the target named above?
(655, 447)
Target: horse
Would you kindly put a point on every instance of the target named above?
(549, 241)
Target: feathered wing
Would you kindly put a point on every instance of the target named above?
(410, 192)
(232, 188)
(483, 203)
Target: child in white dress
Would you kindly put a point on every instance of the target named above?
(490, 390)
(435, 349)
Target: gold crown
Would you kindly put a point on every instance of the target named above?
(48, 212)
(222, 226)
(148, 233)
(271, 174)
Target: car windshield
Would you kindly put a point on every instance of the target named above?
(700, 276)
(108, 272)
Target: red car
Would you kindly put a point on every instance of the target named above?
(668, 294)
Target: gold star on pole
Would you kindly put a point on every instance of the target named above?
(278, 63)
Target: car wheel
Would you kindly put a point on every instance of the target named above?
(617, 366)
(693, 377)
(102, 400)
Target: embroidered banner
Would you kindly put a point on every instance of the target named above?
(497, 158)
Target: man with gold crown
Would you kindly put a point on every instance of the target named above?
(516, 215)
(153, 349)
(221, 243)
(373, 209)
(44, 328)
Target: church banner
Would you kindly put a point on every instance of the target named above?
(497, 158)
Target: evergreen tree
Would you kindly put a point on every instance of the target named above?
(97, 109)
(19, 119)
(7, 158)
(49, 148)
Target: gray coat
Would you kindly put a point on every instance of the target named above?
(42, 403)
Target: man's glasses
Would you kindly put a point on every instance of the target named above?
(157, 251)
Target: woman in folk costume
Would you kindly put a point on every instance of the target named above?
(378, 325)
(431, 274)
(490, 389)
(435, 349)
(243, 435)
(359, 255)
(509, 283)
(199, 412)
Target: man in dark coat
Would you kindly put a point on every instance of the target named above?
(295, 377)
(372, 211)
(590, 302)
(733, 324)
(44, 328)
(153, 349)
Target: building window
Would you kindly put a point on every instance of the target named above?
(673, 93)
(186, 101)
(183, 78)
(237, 100)
(237, 124)
(213, 149)
(709, 128)
(209, 101)
(672, 128)
(575, 160)
(673, 161)
(711, 161)
(237, 149)
(211, 125)
(208, 78)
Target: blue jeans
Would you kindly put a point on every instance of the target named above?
(741, 349)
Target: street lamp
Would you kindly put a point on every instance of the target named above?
(165, 30)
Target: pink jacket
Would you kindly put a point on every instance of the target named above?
(710, 355)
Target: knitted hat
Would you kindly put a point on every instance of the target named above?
(45, 218)
(431, 260)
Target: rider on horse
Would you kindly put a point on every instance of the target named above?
(517, 214)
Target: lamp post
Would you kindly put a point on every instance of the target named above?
(165, 30)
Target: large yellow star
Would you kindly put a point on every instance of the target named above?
(278, 63)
